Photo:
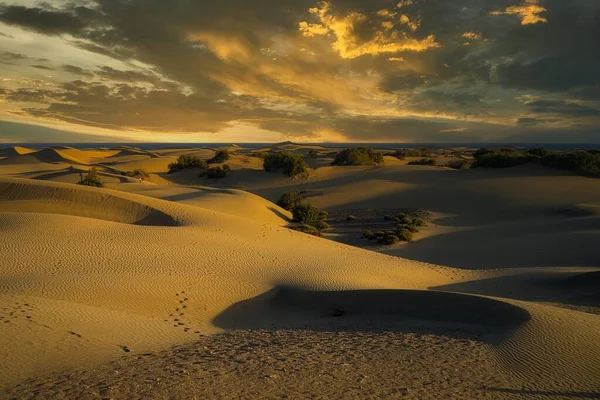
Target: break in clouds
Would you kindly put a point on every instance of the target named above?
(410, 70)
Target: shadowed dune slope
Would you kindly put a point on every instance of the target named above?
(34, 196)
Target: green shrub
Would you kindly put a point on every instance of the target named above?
(404, 218)
(350, 218)
(423, 161)
(368, 234)
(215, 173)
(220, 156)
(459, 163)
(410, 228)
(420, 222)
(187, 161)
(311, 230)
(404, 235)
(306, 213)
(322, 225)
(540, 152)
(379, 234)
(358, 156)
(91, 179)
(323, 215)
(390, 239)
(290, 199)
(292, 164)
(137, 173)
(403, 153)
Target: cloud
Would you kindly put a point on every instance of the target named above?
(529, 12)
(356, 36)
(351, 70)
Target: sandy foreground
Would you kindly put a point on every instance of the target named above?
(168, 289)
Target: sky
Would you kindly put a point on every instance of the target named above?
(425, 71)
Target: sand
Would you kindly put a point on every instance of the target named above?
(188, 290)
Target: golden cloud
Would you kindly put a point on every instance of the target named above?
(349, 45)
(528, 12)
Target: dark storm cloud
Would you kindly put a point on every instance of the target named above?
(49, 21)
(563, 107)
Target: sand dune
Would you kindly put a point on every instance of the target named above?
(88, 275)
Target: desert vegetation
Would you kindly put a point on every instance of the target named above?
(220, 156)
(423, 161)
(290, 199)
(216, 172)
(137, 173)
(185, 161)
(292, 164)
(406, 226)
(584, 162)
(358, 156)
(401, 154)
(309, 229)
(91, 179)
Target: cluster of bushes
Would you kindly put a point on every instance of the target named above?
(401, 154)
(500, 158)
(91, 179)
(137, 173)
(187, 161)
(216, 172)
(583, 162)
(220, 156)
(358, 156)
(406, 227)
(304, 212)
(423, 161)
(292, 164)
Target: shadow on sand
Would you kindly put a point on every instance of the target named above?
(286, 307)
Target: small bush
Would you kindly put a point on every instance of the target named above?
(358, 156)
(390, 239)
(368, 234)
(459, 163)
(351, 218)
(423, 161)
(420, 222)
(410, 228)
(137, 173)
(313, 153)
(91, 179)
(220, 156)
(187, 161)
(404, 235)
(311, 230)
(216, 173)
(290, 199)
(291, 164)
(306, 213)
(379, 234)
(404, 218)
(322, 225)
